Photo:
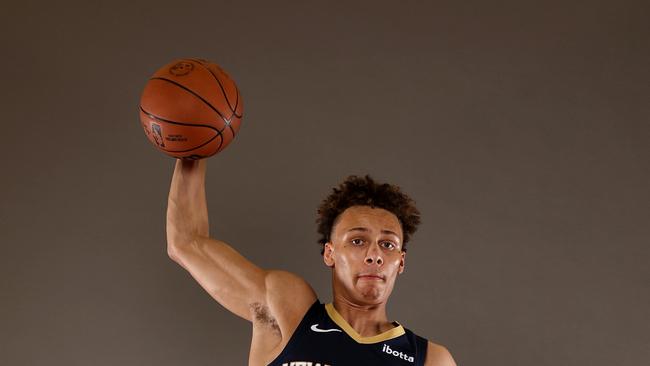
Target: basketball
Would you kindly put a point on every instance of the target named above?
(190, 109)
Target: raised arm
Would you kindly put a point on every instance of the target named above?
(236, 283)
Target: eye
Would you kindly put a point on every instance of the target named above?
(388, 245)
(356, 241)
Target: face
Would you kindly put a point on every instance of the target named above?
(365, 253)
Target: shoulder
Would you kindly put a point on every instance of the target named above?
(289, 297)
(289, 286)
(438, 355)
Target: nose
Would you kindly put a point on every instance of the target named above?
(373, 255)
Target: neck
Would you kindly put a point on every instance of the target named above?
(367, 320)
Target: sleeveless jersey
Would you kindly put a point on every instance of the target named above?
(324, 338)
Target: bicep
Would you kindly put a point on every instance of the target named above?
(232, 280)
(241, 286)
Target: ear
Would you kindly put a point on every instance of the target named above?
(402, 262)
(328, 254)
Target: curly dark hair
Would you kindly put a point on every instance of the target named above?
(364, 191)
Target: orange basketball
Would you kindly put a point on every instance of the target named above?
(190, 109)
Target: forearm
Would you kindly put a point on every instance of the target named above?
(187, 212)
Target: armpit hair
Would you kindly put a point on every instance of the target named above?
(263, 316)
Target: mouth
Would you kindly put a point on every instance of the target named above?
(371, 277)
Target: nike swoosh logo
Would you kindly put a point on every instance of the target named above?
(316, 329)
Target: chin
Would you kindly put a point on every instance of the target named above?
(372, 294)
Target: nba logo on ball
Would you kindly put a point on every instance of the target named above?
(190, 109)
(157, 134)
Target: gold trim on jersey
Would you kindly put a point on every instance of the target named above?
(347, 328)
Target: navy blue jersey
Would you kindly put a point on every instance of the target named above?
(324, 338)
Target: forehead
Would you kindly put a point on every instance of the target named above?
(368, 217)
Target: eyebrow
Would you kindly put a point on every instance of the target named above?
(363, 229)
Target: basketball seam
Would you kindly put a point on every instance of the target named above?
(176, 122)
(236, 103)
(195, 94)
(219, 132)
(197, 147)
(232, 109)
(223, 91)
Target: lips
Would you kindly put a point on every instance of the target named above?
(371, 277)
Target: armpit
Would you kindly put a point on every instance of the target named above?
(262, 316)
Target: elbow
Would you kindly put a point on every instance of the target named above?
(172, 252)
(175, 245)
(179, 247)
(176, 239)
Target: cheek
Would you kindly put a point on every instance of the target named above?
(394, 259)
(349, 255)
(344, 261)
(348, 261)
(395, 264)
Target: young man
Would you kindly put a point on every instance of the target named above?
(364, 228)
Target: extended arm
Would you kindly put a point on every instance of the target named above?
(236, 283)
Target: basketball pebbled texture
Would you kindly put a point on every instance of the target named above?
(190, 109)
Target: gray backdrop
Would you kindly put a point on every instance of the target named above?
(520, 128)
